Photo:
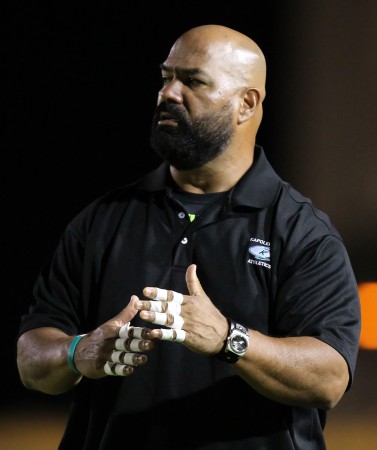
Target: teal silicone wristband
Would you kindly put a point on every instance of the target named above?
(71, 352)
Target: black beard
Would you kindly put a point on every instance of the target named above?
(191, 145)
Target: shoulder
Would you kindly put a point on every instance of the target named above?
(296, 211)
(96, 225)
(303, 233)
(103, 214)
(104, 208)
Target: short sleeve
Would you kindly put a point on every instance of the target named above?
(318, 297)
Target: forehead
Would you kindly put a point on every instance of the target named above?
(194, 54)
(210, 58)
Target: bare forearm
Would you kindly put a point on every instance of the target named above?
(42, 354)
(42, 361)
(302, 371)
(297, 371)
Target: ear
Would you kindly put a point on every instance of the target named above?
(249, 105)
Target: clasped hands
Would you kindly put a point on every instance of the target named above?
(189, 319)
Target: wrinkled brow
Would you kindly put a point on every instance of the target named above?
(187, 72)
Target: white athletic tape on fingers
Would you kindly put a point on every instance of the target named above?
(171, 307)
(115, 369)
(128, 359)
(128, 331)
(156, 306)
(107, 368)
(136, 332)
(135, 345)
(123, 332)
(123, 358)
(120, 344)
(178, 322)
(174, 308)
(177, 298)
(162, 294)
(119, 369)
(160, 318)
(116, 356)
(173, 335)
(132, 344)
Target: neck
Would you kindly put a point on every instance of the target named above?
(218, 175)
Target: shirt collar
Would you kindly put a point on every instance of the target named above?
(259, 185)
(257, 188)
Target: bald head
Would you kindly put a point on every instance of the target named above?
(209, 107)
(240, 59)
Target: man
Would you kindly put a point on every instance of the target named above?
(244, 319)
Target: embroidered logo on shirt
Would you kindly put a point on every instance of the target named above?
(260, 253)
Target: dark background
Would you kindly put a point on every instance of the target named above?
(82, 87)
(79, 85)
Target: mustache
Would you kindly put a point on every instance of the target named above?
(176, 111)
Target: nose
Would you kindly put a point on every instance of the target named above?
(171, 91)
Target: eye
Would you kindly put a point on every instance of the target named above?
(193, 82)
(165, 80)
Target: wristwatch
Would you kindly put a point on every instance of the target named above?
(235, 344)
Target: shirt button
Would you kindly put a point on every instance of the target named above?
(184, 240)
(181, 215)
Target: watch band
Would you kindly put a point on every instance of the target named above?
(226, 353)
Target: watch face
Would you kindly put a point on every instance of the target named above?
(238, 343)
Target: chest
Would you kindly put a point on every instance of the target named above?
(232, 253)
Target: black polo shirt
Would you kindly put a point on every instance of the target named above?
(265, 256)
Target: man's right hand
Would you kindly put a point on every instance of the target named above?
(42, 354)
(104, 345)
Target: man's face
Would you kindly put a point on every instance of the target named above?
(190, 143)
(195, 116)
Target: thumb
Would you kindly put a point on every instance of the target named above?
(192, 281)
(127, 313)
